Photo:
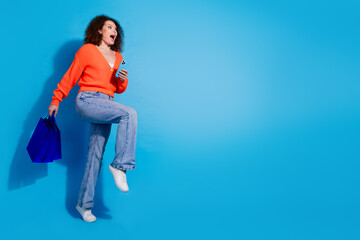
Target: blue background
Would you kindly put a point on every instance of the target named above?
(248, 121)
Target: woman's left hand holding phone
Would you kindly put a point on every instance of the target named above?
(123, 74)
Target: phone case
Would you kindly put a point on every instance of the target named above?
(121, 66)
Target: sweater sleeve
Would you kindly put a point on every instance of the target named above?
(121, 86)
(68, 81)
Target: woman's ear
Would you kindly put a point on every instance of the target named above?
(100, 32)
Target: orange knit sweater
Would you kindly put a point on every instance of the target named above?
(93, 72)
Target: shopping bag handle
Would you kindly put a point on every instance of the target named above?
(51, 120)
(47, 115)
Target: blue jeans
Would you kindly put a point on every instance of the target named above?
(101, 111)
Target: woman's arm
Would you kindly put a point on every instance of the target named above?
(67, 82)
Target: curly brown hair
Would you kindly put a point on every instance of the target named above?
(93, 36)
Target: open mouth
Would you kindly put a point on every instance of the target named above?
(113, 37)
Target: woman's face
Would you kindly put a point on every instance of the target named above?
(109, 32)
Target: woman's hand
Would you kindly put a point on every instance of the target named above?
(123, 74)
(53, 109)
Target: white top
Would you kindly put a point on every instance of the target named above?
(111, 65)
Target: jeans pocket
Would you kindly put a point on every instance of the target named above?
(89, 94)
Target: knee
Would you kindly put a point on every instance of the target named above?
(132, 113)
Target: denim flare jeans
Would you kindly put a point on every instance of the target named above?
(101, 111)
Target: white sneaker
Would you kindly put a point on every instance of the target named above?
(119, 178)
(86, 214)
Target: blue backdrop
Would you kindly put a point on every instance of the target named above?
(248, 121)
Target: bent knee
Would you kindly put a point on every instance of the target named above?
(132, 113)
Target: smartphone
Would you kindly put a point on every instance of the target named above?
(121, 66)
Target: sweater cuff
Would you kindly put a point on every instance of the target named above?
(55, 102)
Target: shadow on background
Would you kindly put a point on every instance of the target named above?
(74, 139)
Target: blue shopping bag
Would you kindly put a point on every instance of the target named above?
(45, 143)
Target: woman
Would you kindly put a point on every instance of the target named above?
(95, 65)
